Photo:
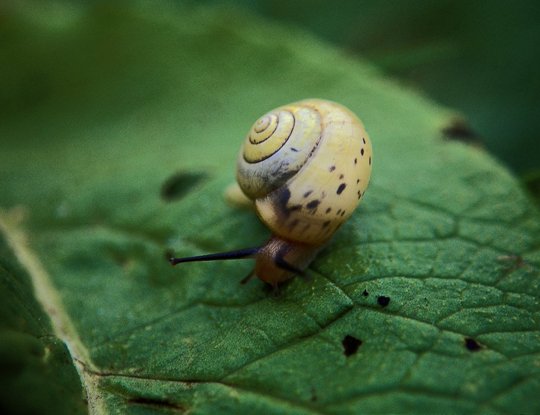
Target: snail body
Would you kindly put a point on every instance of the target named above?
(306, 167)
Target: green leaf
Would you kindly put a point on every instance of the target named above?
(36, 370)
(120, 127)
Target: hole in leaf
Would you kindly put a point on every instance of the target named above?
(383, 300)
(459, 130)
(472, 345)
(180, 183)
(365, 293)
(350, 345)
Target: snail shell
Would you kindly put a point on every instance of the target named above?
(306, 165)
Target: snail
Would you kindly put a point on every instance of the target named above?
(306, 167)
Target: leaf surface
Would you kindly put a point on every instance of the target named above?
(119, 139)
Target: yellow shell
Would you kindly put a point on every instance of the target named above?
(306, 165)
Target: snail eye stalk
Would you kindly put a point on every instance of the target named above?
(237, 254)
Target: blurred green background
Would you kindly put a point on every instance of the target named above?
(479, 57)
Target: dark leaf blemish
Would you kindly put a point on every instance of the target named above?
(157, 403)
(180, 184)
(383, 300)
(532, 182)
(350, 345)
(472, 344)
(459, 130)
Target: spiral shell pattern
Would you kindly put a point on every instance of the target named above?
(306, 165)
(276, 147)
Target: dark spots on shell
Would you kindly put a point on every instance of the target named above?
(293, 224)
(357, 181)
(350, 345)
(363, 140)
(370, 160)
(313, 204)
(283, 196)
(328, 210)
(341, 188)
(359, 194)
(383, 300)
(179, 184)
(341, 176)
(294, 208)
(362, 152)
(338, 212)
(460, 130)
(472, 345)
(332, 168)
(294, 149)
(308, 193)
(325, 224)
(306, 227)
(343, 213)
(355, 160)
